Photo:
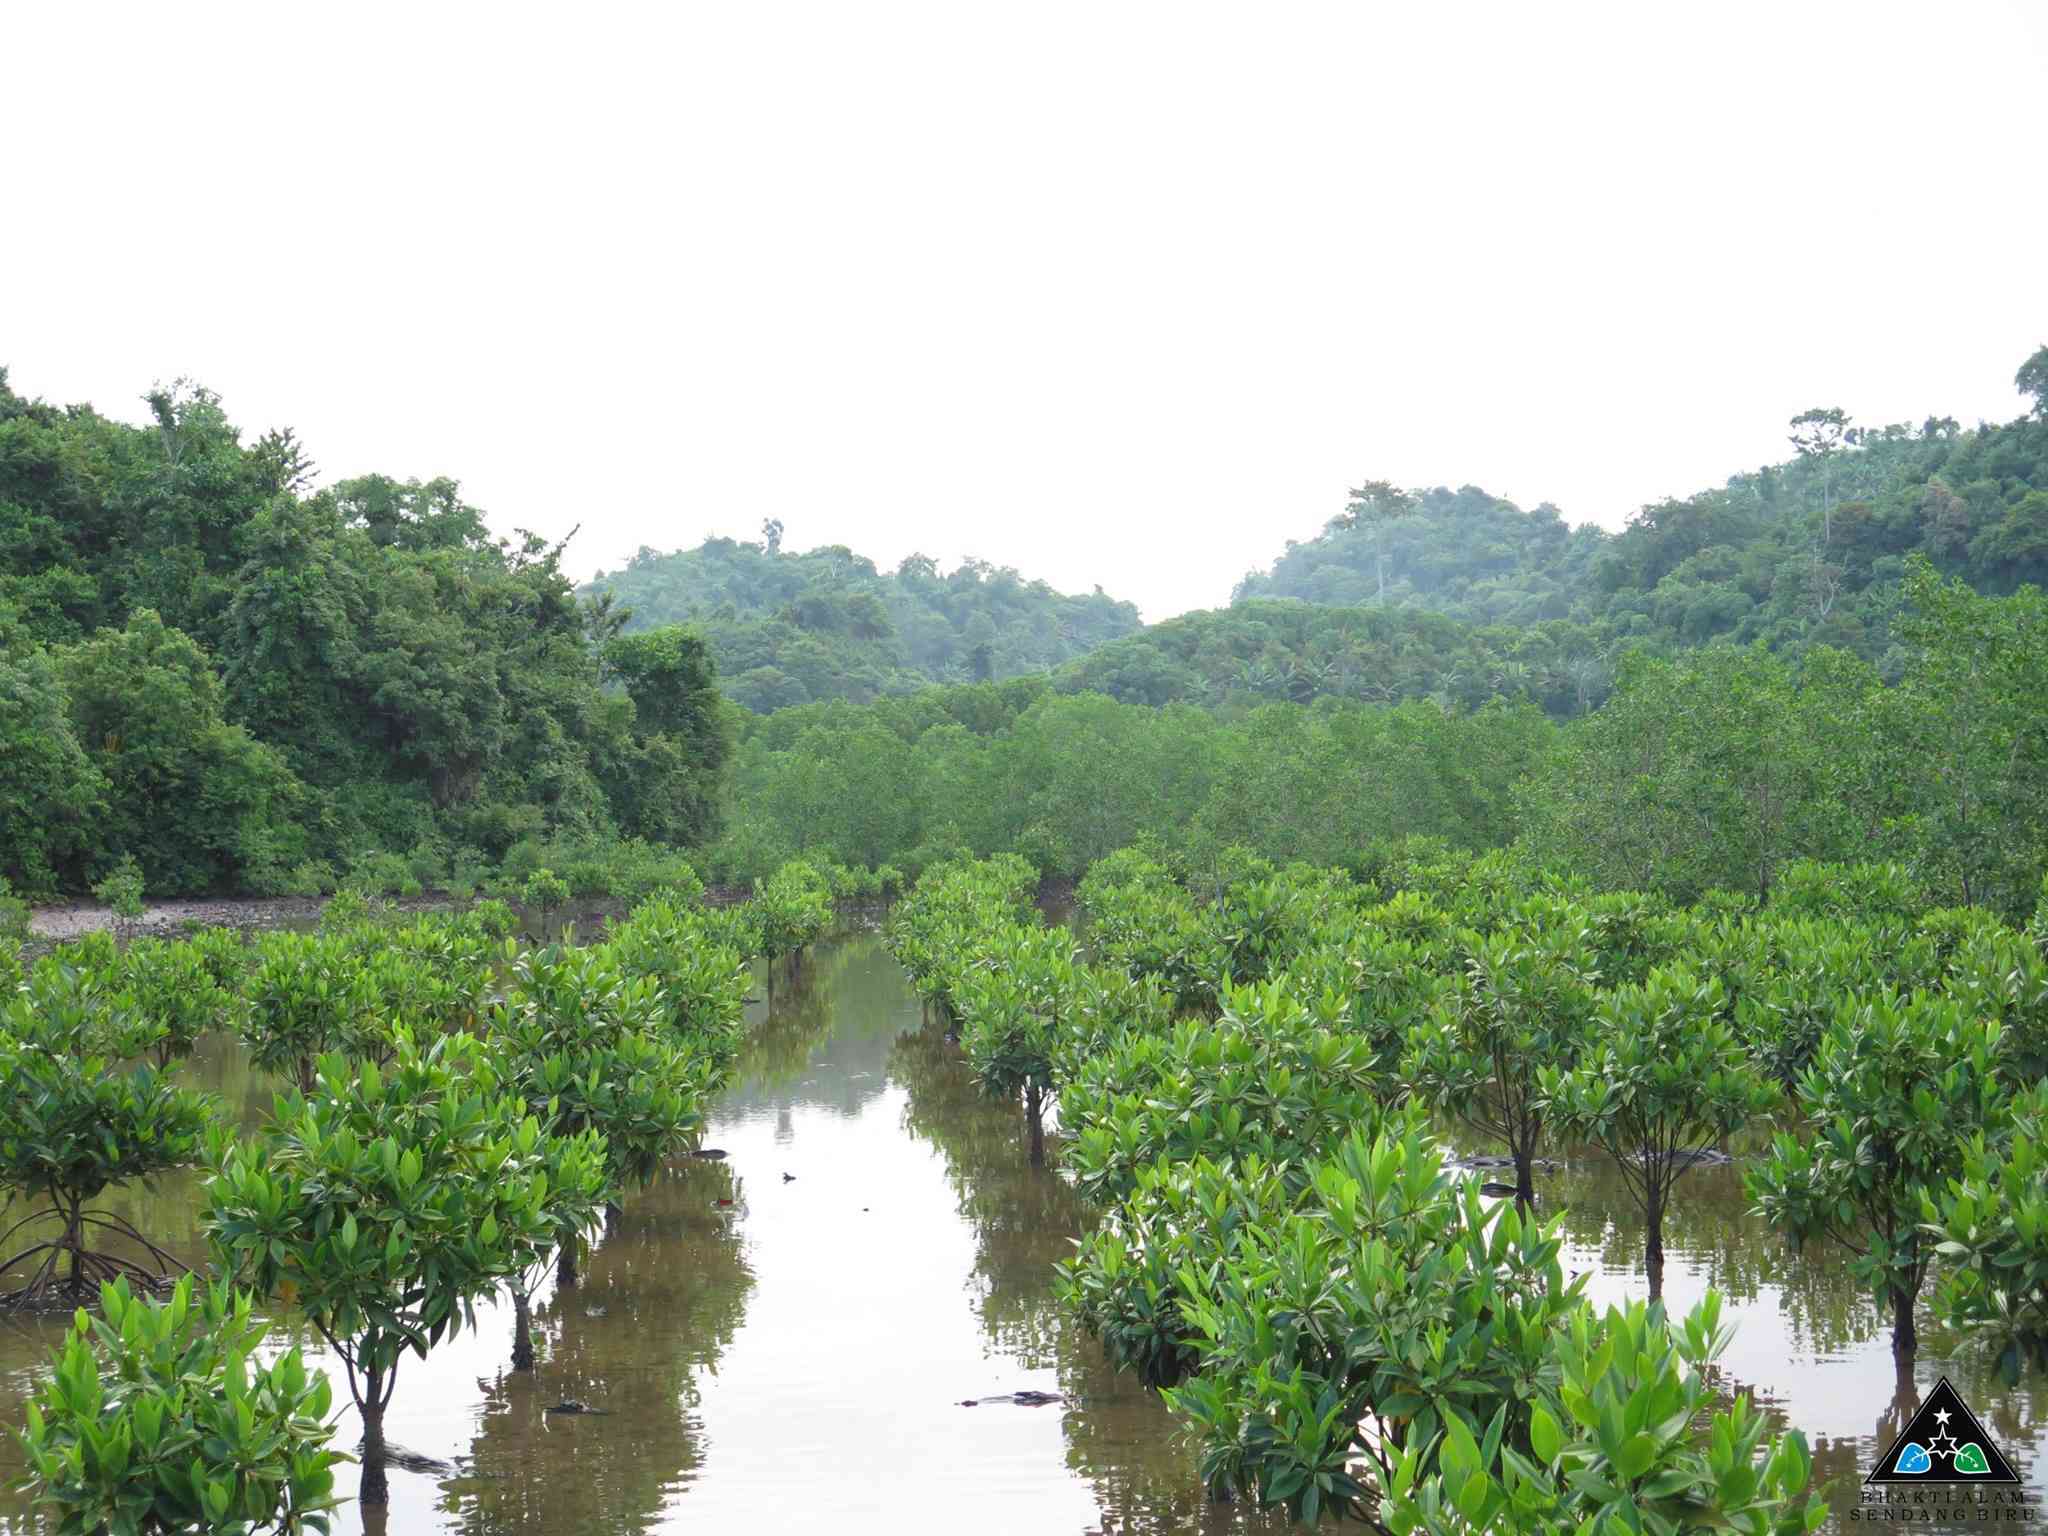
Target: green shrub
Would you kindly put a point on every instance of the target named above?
(1636, 1437)
(75, 1121)
(162, 1418)
(1897, 1091)
(308, 994)
(121, 893)
(1124, 1283)
(546, 893)
(1392, 1304)
(691, 956)
(591, 875)
(171, 987)
(522, 859)
(353, 906)
(427, 864)
(1274, 1076)
(790, 909)
(1523, 1005)
(224, 953)
(13, 915)
(447, 1187)
(495, 918)
(1883, 895)
(580, 1033)
(310, 877)
(468, 870)
(1014, 1010)
(1662, 1078)
(378, 873)
(1990, 1226)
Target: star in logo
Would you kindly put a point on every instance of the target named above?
(1942, 1442)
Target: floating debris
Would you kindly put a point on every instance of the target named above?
(1025, 1399)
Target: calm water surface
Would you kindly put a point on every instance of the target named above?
(1810, 1345)
(795, 1361)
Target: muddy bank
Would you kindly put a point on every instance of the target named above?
(72, 919)
(61, 920)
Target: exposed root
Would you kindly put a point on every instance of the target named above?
(87, 1268)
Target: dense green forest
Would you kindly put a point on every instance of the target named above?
(1457, 595)
(1358, 877)
(1464, 596)
(787, 628)
(1708, 770)
(1808, 552)
(241, 683)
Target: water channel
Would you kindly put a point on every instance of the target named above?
(791, 1354)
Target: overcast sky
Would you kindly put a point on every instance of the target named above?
(1117, 294)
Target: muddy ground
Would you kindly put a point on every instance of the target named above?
(58, 921)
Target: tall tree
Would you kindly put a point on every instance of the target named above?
(1374, 505)
(1819, 435)
(669, 790)
(2032, 380)
(1963, 741)
(49, 785)
(195, 800)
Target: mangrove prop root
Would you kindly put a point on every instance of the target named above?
(88, 1267)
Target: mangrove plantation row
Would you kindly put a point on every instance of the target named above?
(1261, 1074)
(456, 1113)
(1462, 843)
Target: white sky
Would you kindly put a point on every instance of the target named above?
(1113, 293)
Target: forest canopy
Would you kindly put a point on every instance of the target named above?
(246, 681)
(210, 667)
(1810, 552)
(787, 628)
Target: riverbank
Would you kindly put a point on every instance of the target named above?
(55, 922)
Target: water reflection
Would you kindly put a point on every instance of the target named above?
(1119, 1439)
(1810, 1344)
(795, 1360)
(659, 1300)
(1023, 1220)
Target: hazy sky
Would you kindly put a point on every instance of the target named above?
(1113, 293)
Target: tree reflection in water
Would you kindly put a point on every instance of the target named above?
(668, 1287)
(661, 1297)
(1120, 1438)
(1811, 1345)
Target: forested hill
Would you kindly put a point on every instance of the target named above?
(242, 683)
(1461, 595)
(788, 628)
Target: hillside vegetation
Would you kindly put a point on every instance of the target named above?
(242, 683)
(1463, 595)
(787, 628)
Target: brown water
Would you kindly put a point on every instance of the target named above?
(1810, 1344)
(795, 1361)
